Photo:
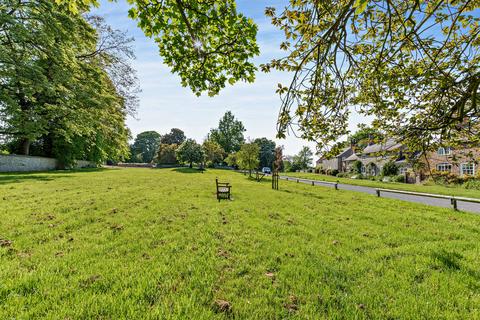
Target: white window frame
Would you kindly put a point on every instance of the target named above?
(444, 151)
(444, 164)
(469, 164)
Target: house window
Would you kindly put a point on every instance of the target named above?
(444, 151)
(467, 169)
(363, 169)
(402, 170)
(444, 167)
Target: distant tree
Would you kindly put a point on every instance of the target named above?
(229, 134)
(364, 136)
(303, 160)
(267, 151)
(146, 145)
(176, 136)
(287, 166)
(231, 160)
(190, 152)
(214, 153)
(166, 154)
(247, 157)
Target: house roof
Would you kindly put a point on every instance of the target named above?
(344, 150)
(353, 157)
(388, 145)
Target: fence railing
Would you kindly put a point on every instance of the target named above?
(453, 199)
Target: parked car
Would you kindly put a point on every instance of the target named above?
(266, 170)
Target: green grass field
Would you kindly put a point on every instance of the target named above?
(155, 244)
(426, 188)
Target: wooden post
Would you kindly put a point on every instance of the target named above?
(336, 186)
(378, 193)
(454, 204)
(313, 183)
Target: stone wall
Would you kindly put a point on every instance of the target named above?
(16, 163)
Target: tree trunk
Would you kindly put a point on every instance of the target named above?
(191, 165)
(25, 146)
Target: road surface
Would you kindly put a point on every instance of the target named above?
(445, 203)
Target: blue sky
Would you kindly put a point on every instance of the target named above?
(165, 104)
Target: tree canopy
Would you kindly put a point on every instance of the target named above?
(411, 64)
(145, 146)
(247, 157)
(365, 135)
(303, 160)
(66, 85)
(214, 153)
(166, 154)
(267, 151)
(190, 152)
(175, 136)
(229, 134)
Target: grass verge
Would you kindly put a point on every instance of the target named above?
(150, 244)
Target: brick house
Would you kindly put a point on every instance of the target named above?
(460, 162)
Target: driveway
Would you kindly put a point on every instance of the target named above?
(445, 203)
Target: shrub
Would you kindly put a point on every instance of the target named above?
(399, 178)
(357, 167)
(343, 175)
(334, 172)
(443, 177)
(390, 169)
(472, 184)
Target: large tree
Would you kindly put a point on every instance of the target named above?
(364, 136)
(229, 134)
(303, 160)
(175, 136)
(146, 145)
(166, 154)
(58, 91)
(267, 151)
(214, 153)
(190, 152)
(412, 64)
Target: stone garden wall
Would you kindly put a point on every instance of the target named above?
(15, 163)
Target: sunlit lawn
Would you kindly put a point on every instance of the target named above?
(430, 187)
(156, 244)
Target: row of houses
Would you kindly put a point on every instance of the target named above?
(373, 157)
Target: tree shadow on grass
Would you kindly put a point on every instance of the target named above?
(451, 261)
(17, 177)
(188, 170)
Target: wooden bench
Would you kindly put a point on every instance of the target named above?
(223, 190)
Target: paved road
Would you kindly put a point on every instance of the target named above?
(445, 203)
